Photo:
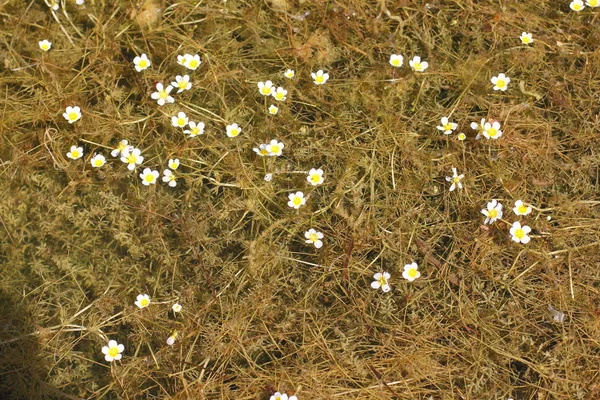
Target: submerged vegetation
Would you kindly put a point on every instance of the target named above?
(302, 199)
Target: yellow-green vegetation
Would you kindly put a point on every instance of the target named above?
(262, 310)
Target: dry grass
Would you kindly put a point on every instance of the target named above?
(262, 310)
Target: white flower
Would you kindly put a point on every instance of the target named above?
(172, 337)
(79, 2)
(577, 5)
(273, 109)
(268, 177)
(396, 60)
(265, 88)
(447, 126)
(314, 237)
(169, 177)
(45, 45)
(98, 160)
(411, 272)
(492, 130)
(280, 94)
(455, 179)
(417, 65)
(478, 127)
(261, 150)
(282, 396)
(162, 94)
(176, 307)
(521, 208)
(141, 62)
(519, 233)
(461, 136)
(182, 60)
(72, 114)
(297, 200)
(381, 281)
(149, 176)
(233, 130)
(315, 176)
(289, 73)
(75, 152)
(53, 4)
(500, 82)
(142, 300)
(275, 148)
(493, 212)
(192, 61)
(592, 3)
(195, 129)
(320, 77)
(182, 83)
(123, 144)
(526, 38)
(113, 351)
(173, 163)
(180, 120)
(132, 157)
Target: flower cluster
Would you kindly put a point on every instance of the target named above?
(273, 148)
(578, 5)
(520, 233)
(415, 64)
(382, 279)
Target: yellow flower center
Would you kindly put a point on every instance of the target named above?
(73, 116)
(412, 273)
(519, 233)
(163, 94)
(577, 7)
(180, 121)
(131, 159)
(501, 83)
(456, 179)
(193, 63)
(319, 79)
(417, 66)
(522, 209)
(462, 136)
(144, 301)
(493, 213)
(45, 46)
(265, 90)
(75, 154)
(315, 178)
(150, 179)
(98, 162)
(297, 201)
(194, 131)
(396, 62)
(492, 132)
(273, 110)
(113, 351)
(447, 127)
(275, 148)
(142, 63)
(526, 40)
(593, 3)
(279, 96)
(313, 237)
(234, 132)
(182, 85)
(263, 152)
(382, 281)
(121, 146)
(173, 166)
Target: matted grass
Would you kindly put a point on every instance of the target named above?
(262, 310)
